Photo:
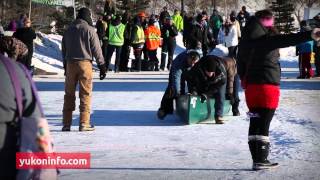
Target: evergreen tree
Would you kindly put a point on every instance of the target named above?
(284, 11)
(132, 6)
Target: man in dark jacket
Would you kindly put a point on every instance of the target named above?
(188, 21)
(163, 15)
(26, 35)
(208, 79)
(243, 17)
(168, 34)
(102, 26)
(80, 43)
(176, 83)
(259, 71)
(198, 37)
(125, 52)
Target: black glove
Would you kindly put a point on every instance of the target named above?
(103, 70)
(203, 98)
(231, 98)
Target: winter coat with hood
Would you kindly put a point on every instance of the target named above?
(81, 42)
(258, 59)
(200, 83)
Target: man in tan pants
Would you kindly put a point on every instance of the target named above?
(80, 44)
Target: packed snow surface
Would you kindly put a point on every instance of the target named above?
(131, 143)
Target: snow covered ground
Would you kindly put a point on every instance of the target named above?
(131, 143)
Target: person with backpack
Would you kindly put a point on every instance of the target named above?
(115, 34)
(20, 116)
(176, 85)
(80, 43)
(259, 71)
(153, 40)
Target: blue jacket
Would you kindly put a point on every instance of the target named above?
(179, 65)
(306, 47)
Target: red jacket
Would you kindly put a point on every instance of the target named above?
(153, 37)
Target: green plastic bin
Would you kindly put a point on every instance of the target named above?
(190, 109)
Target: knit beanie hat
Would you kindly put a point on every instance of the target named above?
(85, 14)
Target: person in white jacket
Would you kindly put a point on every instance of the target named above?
(228, 36)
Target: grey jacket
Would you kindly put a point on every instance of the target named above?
(8, 115)
(80, 42)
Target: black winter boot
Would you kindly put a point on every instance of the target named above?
(235, 108)
(260, 151)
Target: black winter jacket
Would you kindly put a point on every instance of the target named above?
(199, 33)
(26, 35)
(200, 83)
(258, 56)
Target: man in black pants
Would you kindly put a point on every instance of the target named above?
(168, 33)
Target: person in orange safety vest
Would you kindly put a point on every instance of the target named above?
(153, 41)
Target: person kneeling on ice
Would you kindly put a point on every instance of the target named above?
(210, 77)
(176, 86)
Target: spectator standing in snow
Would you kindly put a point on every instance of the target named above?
(125, 51)
(243, 17)
(80, 44)
(317, 51)
(115, 34)
(26, 35)
(304, 51)
(163, 15)
(168, 34)
(259, 71)
(153, 40)
(176, 85)
(215, 23)
(198, 37)
(188, 23)
(102, 26)
(138, 39)
(178, 20)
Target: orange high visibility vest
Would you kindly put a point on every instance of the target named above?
(153, 37)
